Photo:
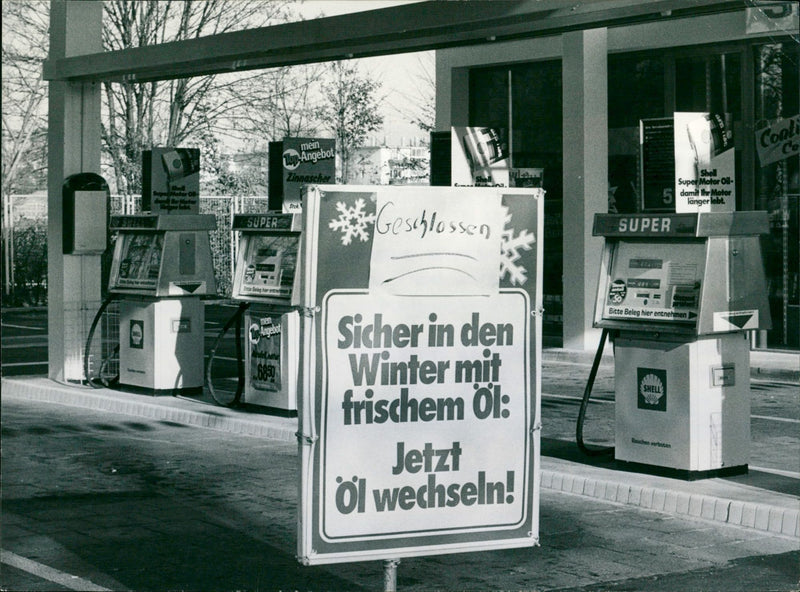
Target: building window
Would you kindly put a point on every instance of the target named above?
(712, 83)
(778, 190)
(635, 92)
(488, 97)
(526, 100)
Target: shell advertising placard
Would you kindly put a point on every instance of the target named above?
(705, 158)
(171, 180)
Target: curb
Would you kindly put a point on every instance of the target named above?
(763, 517)
(773, 519)
(176, 409)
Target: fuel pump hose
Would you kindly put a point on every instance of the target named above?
(108, 300)
(237, 319)
(587, 392)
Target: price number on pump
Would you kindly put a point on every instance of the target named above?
(265, 372)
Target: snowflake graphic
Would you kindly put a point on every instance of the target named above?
(510, 248)
(352, 222)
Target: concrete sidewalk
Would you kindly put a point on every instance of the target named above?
(764, 501)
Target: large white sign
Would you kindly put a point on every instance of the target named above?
(419, 415)
(436, 397)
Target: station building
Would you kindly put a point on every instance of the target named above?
(572, 102)
(569, 81)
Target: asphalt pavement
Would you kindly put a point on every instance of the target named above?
(103, 489)
(101, 500)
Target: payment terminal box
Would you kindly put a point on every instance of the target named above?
(163, 256)
(267, 276)
(684, 274)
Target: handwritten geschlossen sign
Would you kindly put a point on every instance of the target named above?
(419, 419)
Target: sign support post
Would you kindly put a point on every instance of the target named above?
(390, 574)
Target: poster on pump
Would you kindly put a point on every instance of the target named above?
(419, 410)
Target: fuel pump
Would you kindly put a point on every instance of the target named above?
(161, 270)
(679, 293)
(266, 283)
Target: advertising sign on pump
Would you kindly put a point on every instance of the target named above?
(306, 161)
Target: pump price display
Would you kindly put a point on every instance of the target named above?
(270, 263)
(655, 282)
(140, 260)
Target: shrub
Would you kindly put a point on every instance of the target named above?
(30, 263)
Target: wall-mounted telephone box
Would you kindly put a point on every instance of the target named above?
(85, 198)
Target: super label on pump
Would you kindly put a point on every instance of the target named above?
(645, 225)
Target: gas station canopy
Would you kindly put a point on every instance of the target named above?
(412, 27)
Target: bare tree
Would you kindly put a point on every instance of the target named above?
(24, 136)
(181, 111)
(418, 104)
(284, 109)
(350, 109)
(25, 27)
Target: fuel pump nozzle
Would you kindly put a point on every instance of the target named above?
(100, 382)
(237, 396)
(587, 392)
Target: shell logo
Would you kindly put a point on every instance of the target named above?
(651, 388)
